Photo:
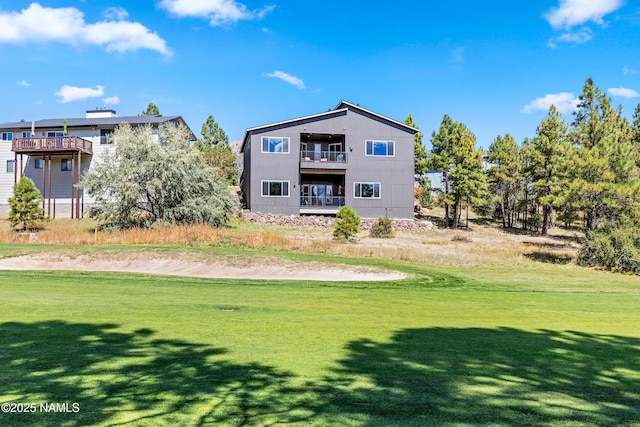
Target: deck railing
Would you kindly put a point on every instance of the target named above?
(323, 156)
(53, 143)
(321, 201)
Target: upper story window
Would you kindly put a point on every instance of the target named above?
(26, 134)
(271, 144)
(6, 136)
(106, 136)
(380, 148)
(54, 134)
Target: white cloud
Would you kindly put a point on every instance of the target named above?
(72, 93)
(23, 83)
(570, 13)
(112, 100)
(67, 25)
(564, 102)
(295, 81)
(629, 70)
(623, 92)
(218, 12)
(115, 13)
(579, 37)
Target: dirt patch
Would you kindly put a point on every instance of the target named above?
(258, 268)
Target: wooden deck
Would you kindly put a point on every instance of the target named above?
(51, 145)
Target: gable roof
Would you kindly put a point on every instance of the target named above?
(349, 105)
(342, 107)
(98, 122)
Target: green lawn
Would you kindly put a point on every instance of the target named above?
(537, 344)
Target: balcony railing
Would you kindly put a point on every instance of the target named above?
(321, 201)
(51, 144)
(323, 156)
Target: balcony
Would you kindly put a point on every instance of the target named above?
(323, 156)
(323, 160)
(52, 145)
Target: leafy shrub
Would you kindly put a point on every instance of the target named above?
(614, 248)
(383, 228)
(347, 224)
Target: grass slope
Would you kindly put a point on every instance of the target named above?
(488, 345)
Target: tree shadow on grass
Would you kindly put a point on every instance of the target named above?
(122, 378)
(435, 376)
(500, 376)
(549, 257)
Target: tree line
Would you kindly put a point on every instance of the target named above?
(585, 173)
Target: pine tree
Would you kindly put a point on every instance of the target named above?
(215, 148)
(466, 176)
(152, 110)
(25, 205)
(421, 161)
(441, 159)
(505, 176)
(546, 163)
(604, 179)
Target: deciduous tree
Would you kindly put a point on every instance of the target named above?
(146, 180)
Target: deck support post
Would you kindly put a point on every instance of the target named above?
(49, 188)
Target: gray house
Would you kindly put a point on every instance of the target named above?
(316, 164)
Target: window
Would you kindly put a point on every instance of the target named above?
(275, 144)
(65, 164)
(10, 165)
(26, 134)
(380, 148)
(38, 163)
(106, 136)
(275, 188)
(54, 134)
(6, 136)
(367, 190)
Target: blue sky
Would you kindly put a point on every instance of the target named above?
(495, 66)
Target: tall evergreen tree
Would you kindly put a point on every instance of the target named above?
(605, 159)
(152, 110)
(505, 176)
(443, 142)
(466, 176)
(421, 160)
(215, 148)
(545, 163)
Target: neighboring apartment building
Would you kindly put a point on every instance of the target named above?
(316, 164)
(55, 152)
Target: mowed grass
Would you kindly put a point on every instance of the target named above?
(532, 344)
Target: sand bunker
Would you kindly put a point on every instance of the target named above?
(250, 268)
